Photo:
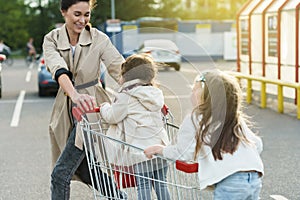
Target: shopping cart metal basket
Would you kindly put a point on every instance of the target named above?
(115, 165)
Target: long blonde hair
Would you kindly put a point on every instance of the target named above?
(220, 110)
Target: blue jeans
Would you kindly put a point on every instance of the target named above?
(72, 159)
(239, 186)
(144, 185)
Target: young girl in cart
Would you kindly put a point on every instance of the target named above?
(136, 118)
(216, 135)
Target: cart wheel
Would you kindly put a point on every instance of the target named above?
(42, 92)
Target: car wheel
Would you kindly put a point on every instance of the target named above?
(177, 67)
(42, 92)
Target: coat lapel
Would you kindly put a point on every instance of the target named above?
(63, 40)
(63, 44)
(84, 40)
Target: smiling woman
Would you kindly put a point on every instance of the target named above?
(73, 54)
(76, 17)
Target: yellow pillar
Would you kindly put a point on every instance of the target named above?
(263, 95)
(280, 98)
(249, 91)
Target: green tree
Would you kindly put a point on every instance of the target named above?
(169, 9)
(42, 18)
(213, 10)
(21, 19)
(126, 10)
(13, 23)
(134, 9)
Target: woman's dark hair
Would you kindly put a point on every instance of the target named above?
(66, 4)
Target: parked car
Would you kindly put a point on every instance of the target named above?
(47, 86)
(102, 75)
(162, 51)
(2, 58)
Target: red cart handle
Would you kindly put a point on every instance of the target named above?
(77, 112)
(186, 167)
(165, 110)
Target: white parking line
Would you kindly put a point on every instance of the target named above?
(31, 65)
(28, 76)
(278, 197)
(18, 108)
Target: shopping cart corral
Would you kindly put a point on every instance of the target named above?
(112, 159)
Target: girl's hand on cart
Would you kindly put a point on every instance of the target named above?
(152, 150)
(84, 102)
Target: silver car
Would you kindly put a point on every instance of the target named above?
(162, 51)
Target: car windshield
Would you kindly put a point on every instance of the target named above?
(160, 44)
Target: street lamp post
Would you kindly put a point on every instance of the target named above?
(113, 16)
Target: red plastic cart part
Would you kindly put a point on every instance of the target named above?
(186, 167)
(165, 110)
(77, 112)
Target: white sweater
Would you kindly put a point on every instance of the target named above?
(210, 172)
(135, 117)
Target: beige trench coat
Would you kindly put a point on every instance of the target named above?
(92, 48)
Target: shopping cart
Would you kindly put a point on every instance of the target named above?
(124, 165)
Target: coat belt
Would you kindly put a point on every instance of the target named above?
(86, 85)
